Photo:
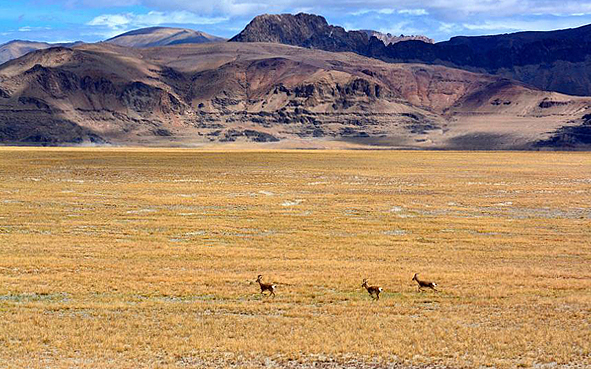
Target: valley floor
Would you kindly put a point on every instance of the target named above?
(129, 258)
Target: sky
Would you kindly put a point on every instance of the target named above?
(95, 20)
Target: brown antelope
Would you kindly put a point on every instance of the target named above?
(372, 290)
(266, 286)
(424, 284)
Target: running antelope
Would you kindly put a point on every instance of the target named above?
(266, 286)
(372, 290)
(424, 284)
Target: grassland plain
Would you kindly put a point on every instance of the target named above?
(133, 258)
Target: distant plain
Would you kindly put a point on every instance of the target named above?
(124, 258)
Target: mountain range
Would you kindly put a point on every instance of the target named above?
(144, 37)
(162, 86)
(556, 61)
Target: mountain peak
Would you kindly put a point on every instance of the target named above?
(162, 36)
(307, 30)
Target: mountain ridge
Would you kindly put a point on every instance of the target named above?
(16, 48)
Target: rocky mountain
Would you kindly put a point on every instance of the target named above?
(305, 30)
(557, 60)
(389, 39)
(232, 92)
(162, 36)
(313, 31)
(17, 48)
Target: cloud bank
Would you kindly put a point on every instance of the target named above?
(92, 20)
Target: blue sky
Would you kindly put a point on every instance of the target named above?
(94, 20)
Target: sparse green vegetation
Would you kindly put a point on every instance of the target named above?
(113, 258)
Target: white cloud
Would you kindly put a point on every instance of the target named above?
(490, 26)
(93, 3)
(415, 12)
(401, 28)
(116, 23)
(360, 12)
(110, 25)
(438, 19)
(448, 28)
(387, 11)
(522, 25)
(231, 7)
(111, 20)
(390, 11)
(30, 29)
(446, 8)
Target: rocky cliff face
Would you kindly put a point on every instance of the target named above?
(191, 94)
(557, 61)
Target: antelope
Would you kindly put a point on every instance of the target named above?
(424, 284)
(266, 286)
(372, 290)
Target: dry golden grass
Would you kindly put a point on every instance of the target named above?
(113, 258)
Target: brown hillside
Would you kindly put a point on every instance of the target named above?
(193, 94)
